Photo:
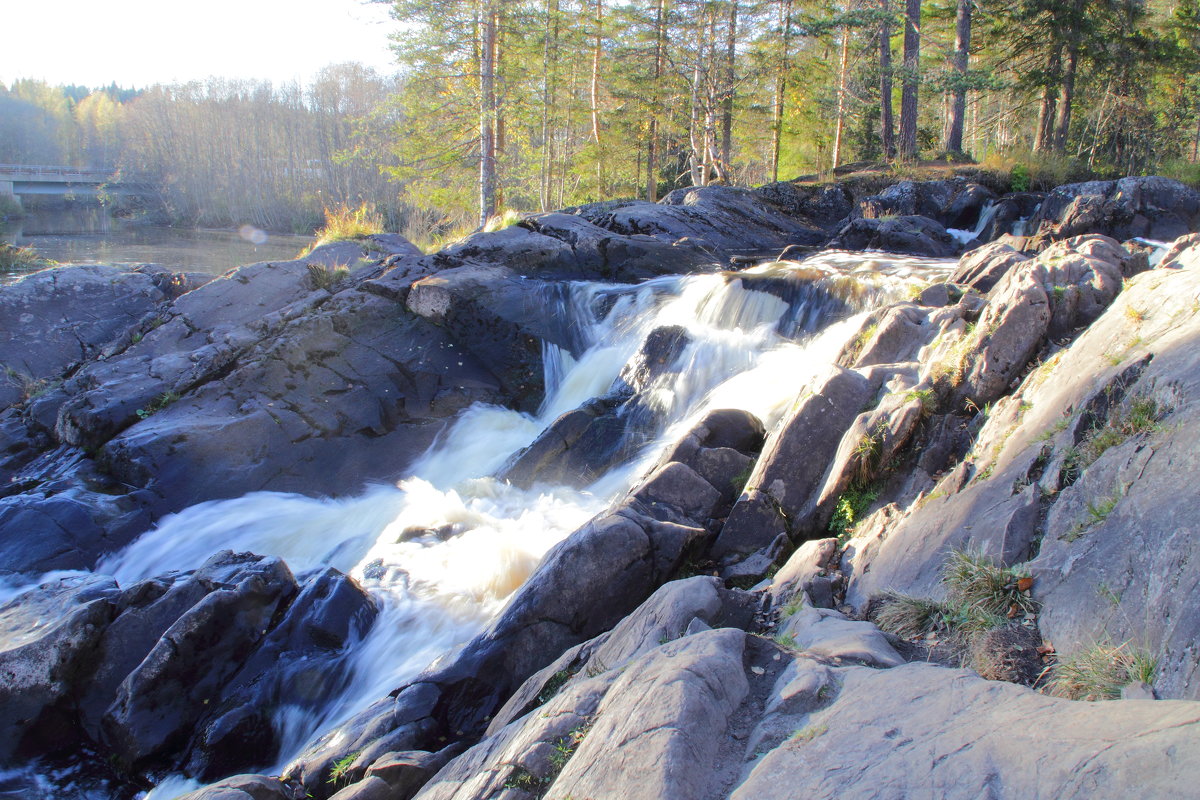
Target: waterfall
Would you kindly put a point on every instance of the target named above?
(444, 548)
(986, 215)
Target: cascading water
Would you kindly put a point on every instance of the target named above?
(986, 215)
(443, 549)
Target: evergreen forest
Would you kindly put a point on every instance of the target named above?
(531, 105)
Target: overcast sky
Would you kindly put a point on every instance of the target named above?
(137, 43)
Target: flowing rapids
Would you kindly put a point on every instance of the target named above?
(444, 548)
(986, 215)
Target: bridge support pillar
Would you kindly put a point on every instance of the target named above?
(9, 202)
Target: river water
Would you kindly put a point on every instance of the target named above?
(748, 349)
(89, 236)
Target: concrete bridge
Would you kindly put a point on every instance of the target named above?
(17, 180)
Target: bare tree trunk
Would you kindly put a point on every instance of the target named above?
(1045, 124)
(908, 97)
(487, 114)
(886, 120)
(962, 51)
(730, 79)
(1196, 142)
(548, 87)
(1066, 96)
(841, 99)
(660, 21)
(697, 167)
(595, 95)
(785, 21)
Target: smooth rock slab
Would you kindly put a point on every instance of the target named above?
(925, 731)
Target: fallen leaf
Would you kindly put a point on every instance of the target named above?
(1024, 584)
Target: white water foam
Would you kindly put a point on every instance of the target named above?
(444, 549)
(986, 215)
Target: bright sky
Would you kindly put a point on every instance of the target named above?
(141, 42)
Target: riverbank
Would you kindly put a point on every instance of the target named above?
(659, 504)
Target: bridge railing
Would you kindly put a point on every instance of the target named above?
(51, 171)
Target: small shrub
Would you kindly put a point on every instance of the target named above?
(866, 455)
(22, 258)
(521, 778)
(323, 277)
(554, 685)
(793, 606)
(953, 365)
(1018, 178)
(341, 767)
(157, 404)
(977, 583)
(343, 223)
(1141, 416)
(849, 511)
(1135, 315)
(505, 219)
(1097, 512)
(1101, 671)
(909, 617)
(927, 398)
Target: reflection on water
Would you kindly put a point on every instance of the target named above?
(89, 236)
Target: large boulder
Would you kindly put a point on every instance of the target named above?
(721, 219)
(1083, 470)
(582, 246)
(992, 740)
(158, 704)
(664, 717)
(911, 234)
(1150, 207)
(300, 665)
(47, 636)
(57, 319)
(584, 443)
(954, 203)
(793, 463)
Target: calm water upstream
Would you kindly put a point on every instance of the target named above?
(90, 237)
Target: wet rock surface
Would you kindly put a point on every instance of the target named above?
(711, 632)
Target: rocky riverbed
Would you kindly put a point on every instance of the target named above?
(696, 500)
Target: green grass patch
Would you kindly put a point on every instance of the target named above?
(320, 276)
(926, 397)
(850, 509)
(809, 732)
(1100, 672)
(338, 772)
(980, 596)
(343, 223)
(554, 685)
(157, 404)
(1140, 416)
(22, 258)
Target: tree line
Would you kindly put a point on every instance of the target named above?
(537, 104)
(219, 152)
(542, 104)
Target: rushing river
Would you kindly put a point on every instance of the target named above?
(89, 236)
(754, 350)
